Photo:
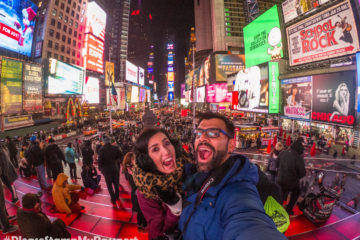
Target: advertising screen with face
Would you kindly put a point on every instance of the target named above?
(333, 98)
(11, 86)
(32, 99)
(262, 38)
(252, 85)
(131, 72)
(95, 20)
(296, 97)
(134, 94)
(91, 90)
(217, 93)
(141, 76)
(65, 78)
(200, 94)
(17, 25)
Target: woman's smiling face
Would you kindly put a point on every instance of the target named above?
(162, 152)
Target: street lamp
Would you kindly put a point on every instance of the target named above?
(193, 86)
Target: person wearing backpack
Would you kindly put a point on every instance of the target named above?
(54, 158)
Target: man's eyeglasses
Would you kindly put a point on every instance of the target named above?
(211, 132)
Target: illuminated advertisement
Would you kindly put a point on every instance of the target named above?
(188, 80)
(91, 90)
(11, 86)
(170, 86)
(182, 94)
(262, 38)
(148, 95)
(200, 94)
(226, 64)
(333, 98)
(252, 89)
(131, 72)
(17, 24)
(274, 88)
(294, 8)
(94, 54)
(171, 96)
(64, 78)
(296, 97)
(217, 93)
(109, 73)
(32, 98)
(170, 76)
(142, 95)
(128, 94)
(328, 34)
(170, 46)
(141, 76)
(122, 98)
(95, 20)
(134, 94)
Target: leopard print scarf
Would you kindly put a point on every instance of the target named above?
(145, 181)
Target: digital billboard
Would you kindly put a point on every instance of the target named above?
(226, 64)
(64, 78)
(91, 90)
(188, 80)
(131, 72)
(94, 53)
(252, 87)
(328, 34)
(109, 73)
(11, 86)
(182, 94)
(200, 94)
(32, 97)
(171, 96)
(170, 86)
(134, 94)
(17, 25)
(142, 94)
(122, 98)
(262, 38)
(274, 87)
(141, 76)
(217, 93)
(333, 98)
(294, 8)
(296, 97)
(95, 20)
(148, 95)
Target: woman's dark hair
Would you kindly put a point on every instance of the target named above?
(143, 159)
(69, 144)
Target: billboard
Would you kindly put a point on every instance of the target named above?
(131, 72)
(262, 38)
(182, 94)
(328, 34)
(170, 86)
(142, 94)
(94, 53)
(294, 8)
(141, 76)
(109, 73)
(134, 94)
(296, 97)
(91, 90)
(95, 20)
(171, 96)
(64, 78)
(122, 98)
(200, 94)
(217, 93)
(252, 87)
(226, 64)
(274, 87)
(17, 24)
(188, 80)
(32, 97)
(333, 98)
(11, 86)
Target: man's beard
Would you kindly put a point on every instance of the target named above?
(217, 157)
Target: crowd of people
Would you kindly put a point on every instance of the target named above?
(184, 183)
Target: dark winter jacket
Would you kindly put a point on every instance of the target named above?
(89, 178)
(230, 209)
(12, 148)
(291, 168)
(158, 216)
(87, 154)
(109, 159)
(8, 171)
(54, 156)
(34, 155)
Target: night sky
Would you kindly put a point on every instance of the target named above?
(179, 16)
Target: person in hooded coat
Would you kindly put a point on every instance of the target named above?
(54, 158)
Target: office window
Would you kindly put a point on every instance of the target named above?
(62, 48)
(73, 61)
(74, 5)
(82, 20)
(60, 15)
(64, 28)
(69, 1)
(63, 38)
(62, 58)
(59, 25)
(80, 36)
(77, 16)
(53, 12)
(78, 8)
(52, 22)
(69, 41)
(57, 35)
(76, 25)
(50, 44)
(75, 33)
(49, 54)
(71, 22)
(51, 33)
(79, 45)
(73, 53)
(68, 60)
(74, 43)
(56, 56)
(68, 50)
(62, 6)
(56, 2)
(67, 10)
(70, 30)
(66, 19)
(72, 13)
(56, 46)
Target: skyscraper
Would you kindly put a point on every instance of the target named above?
(219, 23)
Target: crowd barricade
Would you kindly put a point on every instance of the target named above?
(65, 135)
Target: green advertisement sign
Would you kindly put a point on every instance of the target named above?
(274, 87)
(262, 38)
(11, 86)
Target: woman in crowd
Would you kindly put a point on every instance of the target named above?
(271, 168)
(70, 156)
(158, 173)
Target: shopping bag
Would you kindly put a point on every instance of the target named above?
(277, 213)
